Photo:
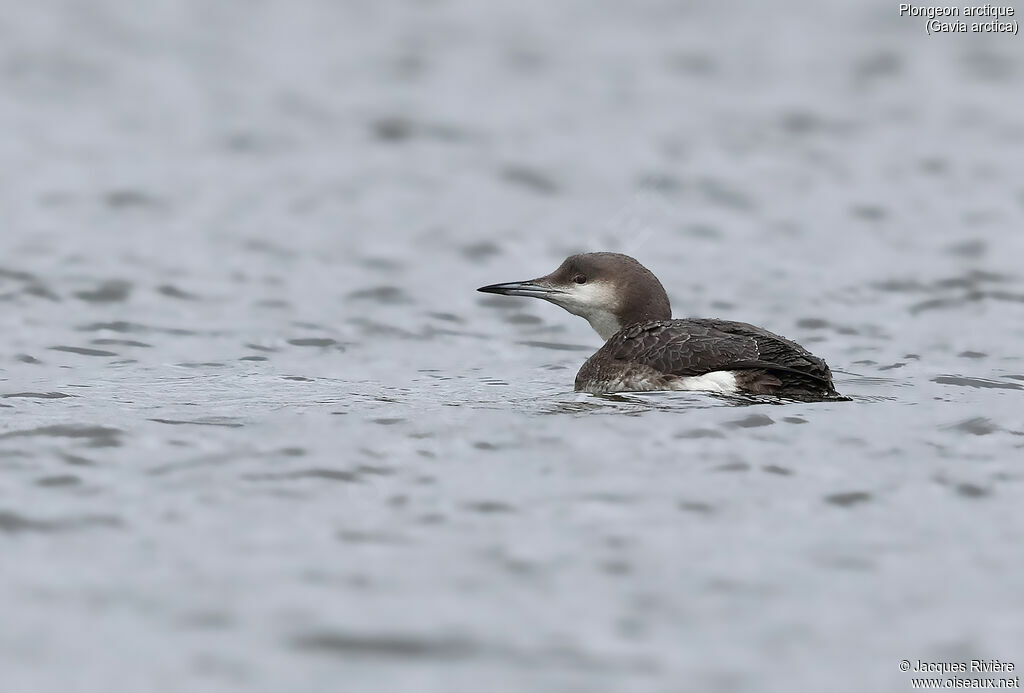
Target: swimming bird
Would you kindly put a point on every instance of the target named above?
(645, 349)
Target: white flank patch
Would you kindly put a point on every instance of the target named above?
(715, 381)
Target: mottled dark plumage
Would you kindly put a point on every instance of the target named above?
(764, 363)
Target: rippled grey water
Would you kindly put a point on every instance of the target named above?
(260, 433)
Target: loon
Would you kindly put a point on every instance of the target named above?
(645, 349)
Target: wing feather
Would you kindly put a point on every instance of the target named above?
(698, 346)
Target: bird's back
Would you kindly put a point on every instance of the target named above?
(680, 354)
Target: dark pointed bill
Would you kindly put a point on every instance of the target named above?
(530, 288)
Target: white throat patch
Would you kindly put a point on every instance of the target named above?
(594, 301)
(604, 323)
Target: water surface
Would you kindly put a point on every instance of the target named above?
(259, 432)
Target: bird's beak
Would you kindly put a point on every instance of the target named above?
(537, 288)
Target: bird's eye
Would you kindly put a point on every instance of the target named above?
(580, 279)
